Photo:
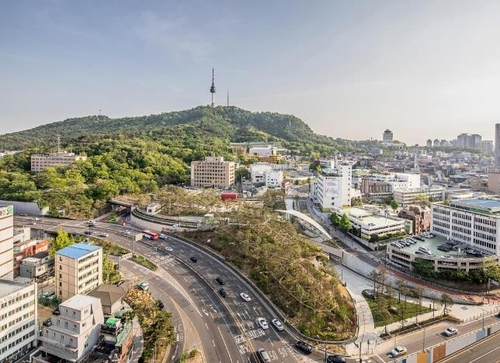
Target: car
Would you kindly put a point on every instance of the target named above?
(223, 292)
(103, 234)
(163, 236)
(335, 359)
(88, 232)
(262, 322)
(397, 352)
(160, 304)
(193, 259)
(278, 324)
(245, 297)
(169, 249)
(143, 285)
(220, 280)
(263, 355)
(450, 331)
(304, 347)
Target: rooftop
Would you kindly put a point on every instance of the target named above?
(79, 301)
(8, 287)
(77, 250)
(488, 205)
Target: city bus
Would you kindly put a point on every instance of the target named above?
(150, 235)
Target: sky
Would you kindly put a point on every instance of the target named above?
(349, 69)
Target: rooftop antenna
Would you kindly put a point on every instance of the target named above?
(228, 98)
(212, 88)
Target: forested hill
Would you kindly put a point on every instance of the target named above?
(229, 123)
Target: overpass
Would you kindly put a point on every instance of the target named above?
(307, 219)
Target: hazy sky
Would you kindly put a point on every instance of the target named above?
(349, 69)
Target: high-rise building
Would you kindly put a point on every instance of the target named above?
(387, 137)
(213, 172)
(429, 143)
(332, 187)
(6, 242)
(78, 270)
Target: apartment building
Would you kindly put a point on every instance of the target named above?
(332, 187)
(78, 270)
(18, 319)
(475, 222)
(40, 162)
(213, 172)
(73, 330)
(6, 242)
(263, 173)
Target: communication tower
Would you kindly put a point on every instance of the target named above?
(212, 88)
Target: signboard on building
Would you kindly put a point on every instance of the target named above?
(332, 188)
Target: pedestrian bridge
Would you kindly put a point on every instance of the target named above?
(307, 219)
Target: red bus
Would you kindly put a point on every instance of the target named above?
(151, 235)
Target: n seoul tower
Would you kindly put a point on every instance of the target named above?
(212, 88)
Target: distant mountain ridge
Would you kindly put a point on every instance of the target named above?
(230, 123)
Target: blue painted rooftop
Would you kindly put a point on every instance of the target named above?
(77, 250)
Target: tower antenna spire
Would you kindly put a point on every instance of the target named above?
(212, 88)
(227, 98)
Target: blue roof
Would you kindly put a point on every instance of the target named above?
(77, 250)
(487, 204)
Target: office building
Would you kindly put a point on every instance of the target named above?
(39, 162)
(18, 319)
(6, 242)
(406, 196)
(78, 270)
(332, 187)
(213, 172)
(74, 331)
(474, 221)
(263, 173)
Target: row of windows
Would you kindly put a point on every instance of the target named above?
(460, 237)
(467, 217)
(490, 246)
(485, 229)
(19, 319)
(485, 236)
(16, 310)
(88, 265)
(486, 221)
(17, 299)
(18, 341)
(17, 331)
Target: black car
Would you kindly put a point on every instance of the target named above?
(304, 347)
(335, 359)
(194, 259)
(160, 304)
(88, 232)
(223, 293)
(220, 280)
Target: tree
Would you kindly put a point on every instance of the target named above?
(446, 302)
(61, 240)
(334, 218)
(394, 204)
(345, 224)
(400, 284)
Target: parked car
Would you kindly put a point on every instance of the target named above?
(245, 297)
(304, 347)
(335, 359)
(450, 331)
(193, 259)
(220, 280)
(222, 292)
(169, 249)
(397, 352)
(278, 324)
(262, 322)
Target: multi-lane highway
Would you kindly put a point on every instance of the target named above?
(226, 327)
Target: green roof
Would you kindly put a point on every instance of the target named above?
(112, 321)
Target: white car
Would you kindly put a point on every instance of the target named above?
(278, 324)
(450, 331)
(169, 249)
(163, 236)
(103, 234)
(245, 297)
(262, 323)
(397, 352)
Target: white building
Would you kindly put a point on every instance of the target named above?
(18, 324)
(78, 270)
(40, 162)
(406, 197)
(6, 242)
(75, 331)
(332, 187)
(473, 221)
(264, 173)
(399, 180)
